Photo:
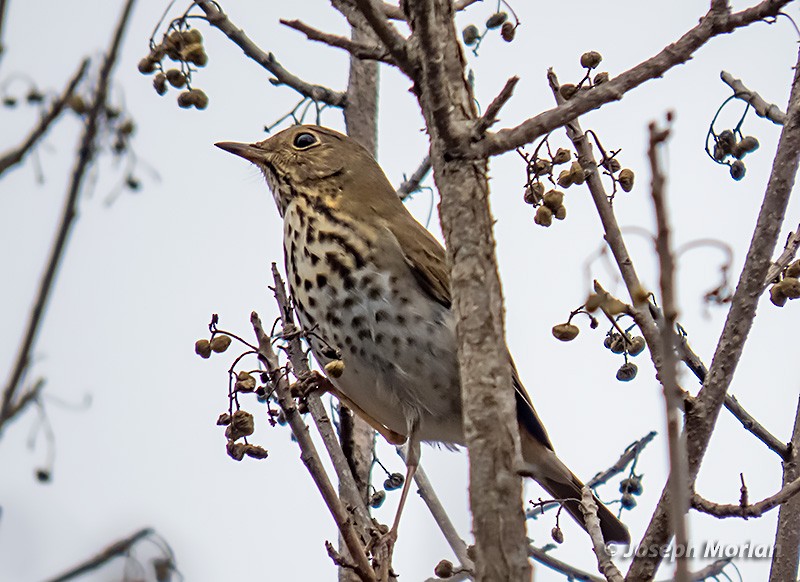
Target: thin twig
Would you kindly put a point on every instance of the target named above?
(604, 563)
(220, 20)
(714, 23)
(631, 452)
(489, 117)
(357, 49)
(15, 156)
(668, 375)
(752, 510)
(412, 184)
(309, 454)
(753, 426)
(118, 548)
(762, 108)
(86, 153)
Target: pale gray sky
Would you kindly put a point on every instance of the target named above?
(142, 277)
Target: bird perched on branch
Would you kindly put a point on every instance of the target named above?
(373, 285)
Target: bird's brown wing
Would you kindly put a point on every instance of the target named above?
(425, 256)
(427, 260)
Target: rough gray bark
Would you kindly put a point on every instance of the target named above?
(787, 536)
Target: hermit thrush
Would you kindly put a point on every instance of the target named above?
(369, 281)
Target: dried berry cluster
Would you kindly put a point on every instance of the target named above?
(788, 287)
(616, 340)
(549, 204)
(32, 97)
(629, 487)
(186, 48)
(589, 61)
(472, 36)
(731, 144)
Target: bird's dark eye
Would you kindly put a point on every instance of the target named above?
(304, 140)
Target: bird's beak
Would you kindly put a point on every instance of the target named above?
(246, 151)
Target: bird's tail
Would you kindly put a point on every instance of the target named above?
(551, 473)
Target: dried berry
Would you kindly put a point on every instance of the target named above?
(224, 419)
(568, 90)
(202, 348)
(565, 332)
(236, 451)
(394, 481)
(10, 101)
(790, 287)
(542, 166)
(627, 501)
(615, 342)
(147, 66)
(557, 535)
(256, 452)
(496, 20)
(793, 270)
(34, 96)
(636, 346)
(160, 83)
(200, 99)
(534, 193)
(726, 140)
(176, 78)
(591, 59)
(470, 34)
(626, 373)
(77, 104)
(507, 31)
(43, 475)
(600, 78)
(241, 425)
(562, 156)
(777, 296)
(625, 179)
(553, 199)
(631, 485)
(244, 382)
(334, 368)
(577, 175)
(185, 99)
(377, 499)
(612, 165)
(220, 343)
(444, 569)
(747, 145)
(560, 213)
(544, 216)
(738, 170)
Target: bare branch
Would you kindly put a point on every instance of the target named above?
(412, 184)
(668, 374)
(714, 23)
(489, 117)
(357, 49)
(604, 563)
(220, 20)
(787, 535)
(86, 153)
(309, 454)
(118, 548)
(395, 43)
(631, 452)
(755, 510)
(15, 156)
(753, 426)
(762, 108)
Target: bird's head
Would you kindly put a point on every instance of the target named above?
(309, 159)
